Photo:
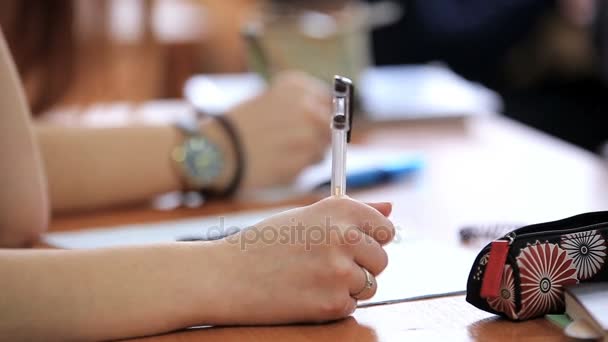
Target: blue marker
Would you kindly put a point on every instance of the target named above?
(389, 172)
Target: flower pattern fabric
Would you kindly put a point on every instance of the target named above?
(587, 249)
(505, 302)
(545, 269)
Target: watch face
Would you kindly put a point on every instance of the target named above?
(202, 160)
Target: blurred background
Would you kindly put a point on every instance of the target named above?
(545, 59)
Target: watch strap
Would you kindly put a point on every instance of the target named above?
(239, 170)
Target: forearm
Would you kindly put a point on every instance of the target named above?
(90, 168)
(106, 294)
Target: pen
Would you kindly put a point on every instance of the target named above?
(257, 54)
(191, 238)
(340, 133)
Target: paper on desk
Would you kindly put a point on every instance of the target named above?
(416, 267)
(387, 93)
(158, 232)
(217, 93)
(392, 93)
(423, 267)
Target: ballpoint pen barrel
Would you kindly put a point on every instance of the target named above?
(340, 128)
(338, 160)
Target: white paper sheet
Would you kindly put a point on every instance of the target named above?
(158, 232)
(388, 93)
(423, 267)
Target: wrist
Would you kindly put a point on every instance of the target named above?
(195, 288)
(219, 295)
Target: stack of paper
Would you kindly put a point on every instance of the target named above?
(587, 306)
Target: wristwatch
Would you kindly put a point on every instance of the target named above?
(199, 159)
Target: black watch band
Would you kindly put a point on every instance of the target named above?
(239, 170)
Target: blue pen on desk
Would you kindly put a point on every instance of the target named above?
(381, 174)
(340, 133)
(385, 173)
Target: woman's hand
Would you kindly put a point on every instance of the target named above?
(284, 129)
(303, 265)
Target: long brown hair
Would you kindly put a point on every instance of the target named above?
(41, 36)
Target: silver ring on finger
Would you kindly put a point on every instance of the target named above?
(370, 281)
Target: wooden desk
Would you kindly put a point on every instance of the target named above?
(448, 319)
(482, 171)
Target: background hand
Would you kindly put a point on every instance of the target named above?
(283, 130)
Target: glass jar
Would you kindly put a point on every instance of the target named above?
(323, 38)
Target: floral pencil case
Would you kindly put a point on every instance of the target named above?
(523, 274)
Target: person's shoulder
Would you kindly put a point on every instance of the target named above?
(23, 198)
(12, 101)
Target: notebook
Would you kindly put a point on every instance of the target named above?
(587, 306)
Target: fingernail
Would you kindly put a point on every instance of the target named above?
(385, 203)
